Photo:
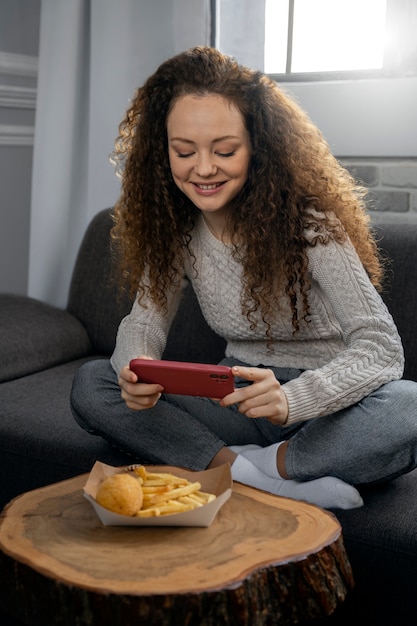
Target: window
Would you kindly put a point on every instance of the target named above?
(324, 35)
(319, 39)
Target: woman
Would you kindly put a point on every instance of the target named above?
(228, 184)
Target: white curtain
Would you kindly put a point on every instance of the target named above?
(240, 30)
(93, 54)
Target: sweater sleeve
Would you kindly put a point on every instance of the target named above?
(372, 354)
(145, 330)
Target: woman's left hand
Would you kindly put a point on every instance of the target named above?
(263, 398)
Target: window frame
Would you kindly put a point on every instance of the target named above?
(401, 15)
(370, 118)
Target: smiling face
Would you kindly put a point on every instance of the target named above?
(209, 151)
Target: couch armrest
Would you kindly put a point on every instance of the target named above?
(35, 336)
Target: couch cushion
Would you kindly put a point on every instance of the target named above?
(380, 540)
(40, 442)
(35, 336)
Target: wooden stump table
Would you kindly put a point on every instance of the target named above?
(264, 560)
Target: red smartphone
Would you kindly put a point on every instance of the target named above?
(187, 379)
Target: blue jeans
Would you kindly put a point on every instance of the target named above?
(372, 441)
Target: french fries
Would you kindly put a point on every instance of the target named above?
(166, 494)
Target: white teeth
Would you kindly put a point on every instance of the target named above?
(209, 187)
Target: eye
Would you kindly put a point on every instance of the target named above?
(184, 155)
(227, 154)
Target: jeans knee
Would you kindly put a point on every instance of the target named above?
(405, 395)
(85, 396)
(402, 409)
(77, 395)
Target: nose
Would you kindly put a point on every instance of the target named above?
(205, 166)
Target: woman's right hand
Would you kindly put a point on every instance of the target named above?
(138, 396)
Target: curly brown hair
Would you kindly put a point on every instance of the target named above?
(291, 171)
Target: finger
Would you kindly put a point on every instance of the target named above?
(138, 403)
(232, 398)
(146, 402)
(127, 375)
(275, 415)
(273, 406)
(259, 409)
(266, 385)
(251, 373)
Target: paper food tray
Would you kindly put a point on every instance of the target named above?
(217, 481)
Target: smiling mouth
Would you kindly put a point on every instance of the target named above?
(208, 187)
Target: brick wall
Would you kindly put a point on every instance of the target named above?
(392, 185)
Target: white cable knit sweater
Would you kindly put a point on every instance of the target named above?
(349, 348)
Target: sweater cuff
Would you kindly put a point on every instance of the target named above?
(301, 407)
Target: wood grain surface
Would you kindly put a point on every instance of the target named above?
(264, 560)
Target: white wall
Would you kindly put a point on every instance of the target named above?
(364, 118)
(369, 118)
(19, 32)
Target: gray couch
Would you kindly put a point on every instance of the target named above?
(41, 347)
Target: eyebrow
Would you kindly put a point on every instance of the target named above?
(225, 138)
